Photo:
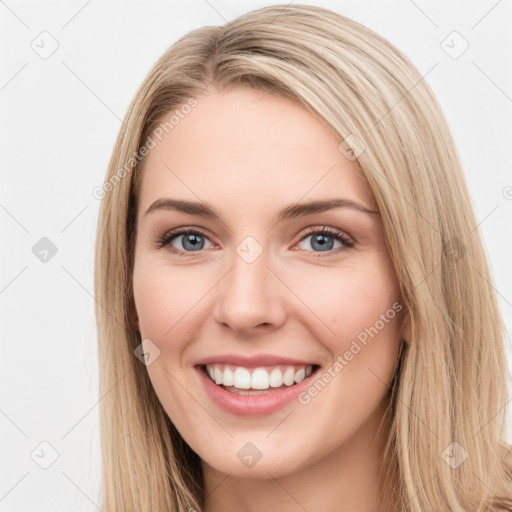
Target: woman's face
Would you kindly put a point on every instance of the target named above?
(260, 292)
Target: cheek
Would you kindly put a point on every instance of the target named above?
(166, 298)
(167, 304)
(349, 302)
(359, 312)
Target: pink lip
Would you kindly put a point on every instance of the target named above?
(251, 405)
(252, 361)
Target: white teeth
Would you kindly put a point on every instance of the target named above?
(300, 375)
(242, 378)
(288, 376)
(276, 378)
(228, 379)
(259, 378)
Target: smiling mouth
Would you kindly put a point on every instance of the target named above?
(257, 381)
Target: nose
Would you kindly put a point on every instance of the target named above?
(250, 297)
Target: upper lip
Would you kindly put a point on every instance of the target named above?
(253, 361)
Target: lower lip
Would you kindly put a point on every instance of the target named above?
(252, 405)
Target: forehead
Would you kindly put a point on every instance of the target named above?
(253, 147)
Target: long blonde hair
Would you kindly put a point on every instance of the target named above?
(446, 449)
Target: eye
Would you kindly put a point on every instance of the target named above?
(188, 240)
(323, 240)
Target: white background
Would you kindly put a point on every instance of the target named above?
(60, 118)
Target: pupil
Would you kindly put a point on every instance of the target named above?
(325, 242)
(193, 240)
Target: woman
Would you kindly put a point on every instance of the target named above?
(294, 310)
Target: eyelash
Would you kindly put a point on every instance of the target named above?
(169, 236)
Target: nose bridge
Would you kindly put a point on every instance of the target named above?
(249, 294)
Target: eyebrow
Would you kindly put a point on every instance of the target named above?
(291, 211)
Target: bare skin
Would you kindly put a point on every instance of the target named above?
(249, 154)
